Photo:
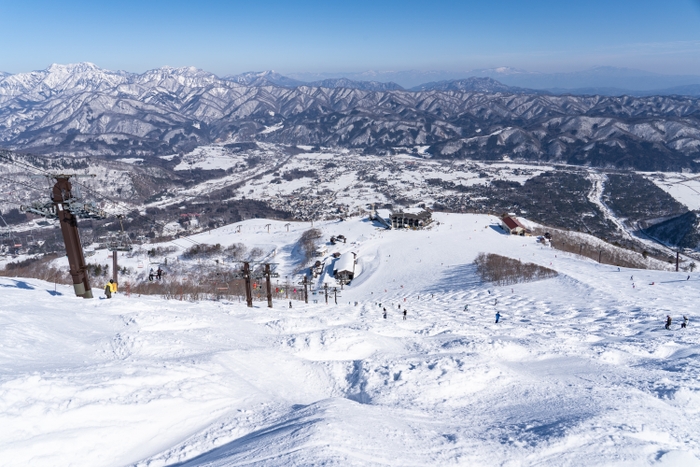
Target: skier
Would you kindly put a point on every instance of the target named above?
(399, 306)
(108, 290)
(688, 278)
(404, 314)
(290, 304)
(466, 307)
(150, 275)
(384, 313)
(631, 278)
(498, 316)
(668, 322)
(159, 273)
(684, 324)
(495, 301)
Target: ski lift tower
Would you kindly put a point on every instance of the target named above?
(67, 205)
(266, 272)
(119, 242)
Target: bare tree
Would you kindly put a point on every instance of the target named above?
(502, 270)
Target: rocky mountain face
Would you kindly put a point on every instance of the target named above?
(85, 110)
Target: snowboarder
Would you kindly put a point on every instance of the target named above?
(668, 322)
(684, 324)
(108, 290)
(404, 314)
(498, 316)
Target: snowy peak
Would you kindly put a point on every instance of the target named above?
(345, 83)
(170, 78)
(264, 78)
(69, 79)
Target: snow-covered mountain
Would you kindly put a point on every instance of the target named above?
(84, 109)
(473, 84)
(352, 84)
(264, 78)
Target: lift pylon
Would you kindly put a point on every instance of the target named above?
(68, 208)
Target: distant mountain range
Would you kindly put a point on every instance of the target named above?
(598, 80)
(83, 109)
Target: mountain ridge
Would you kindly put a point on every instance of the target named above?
(85, 110)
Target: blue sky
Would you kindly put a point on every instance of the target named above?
(231, 37)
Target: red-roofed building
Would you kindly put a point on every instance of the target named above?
(513, 226)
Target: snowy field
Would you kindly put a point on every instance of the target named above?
(684, 187)
(580, 370)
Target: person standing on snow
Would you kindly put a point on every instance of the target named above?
(384, 313)
(498, 316)
(668, 322)
(684, 324)
(108, 290)
(112, 286)
(404, 314)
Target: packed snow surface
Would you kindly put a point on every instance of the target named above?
(580, 370)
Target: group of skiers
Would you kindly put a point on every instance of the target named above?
(385, 314)
(684, 324)
(158, 274)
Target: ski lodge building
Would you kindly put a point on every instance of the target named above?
(344, 268)
(411, 218)
(511, 225)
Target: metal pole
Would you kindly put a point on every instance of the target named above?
(600, 254)
(248, 289)
(325, 288)
(269, 286)
(306, 290)
(678, 254)
(71, 237)
(115, 267)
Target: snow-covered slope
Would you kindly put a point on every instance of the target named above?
(580, 371)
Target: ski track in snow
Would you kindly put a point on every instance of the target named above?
(579, 372)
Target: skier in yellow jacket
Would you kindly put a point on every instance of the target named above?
(110, 288)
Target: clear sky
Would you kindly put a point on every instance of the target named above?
(227, 37)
